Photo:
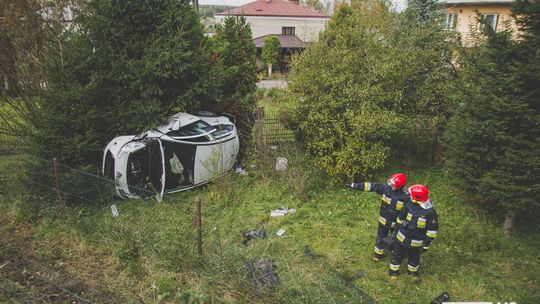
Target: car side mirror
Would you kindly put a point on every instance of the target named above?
(176, 126)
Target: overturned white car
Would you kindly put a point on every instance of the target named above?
(184, 153)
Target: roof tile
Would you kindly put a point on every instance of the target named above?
(274, 8)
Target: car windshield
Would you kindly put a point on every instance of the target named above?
(222, 130)
(197, 128)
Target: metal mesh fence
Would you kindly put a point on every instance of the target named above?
(11, 145)
(270, 130)
(168, 236)
(22, 174)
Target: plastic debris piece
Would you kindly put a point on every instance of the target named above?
(281, 164)
(278, 212)
(114, 211)
(241, 171)
(280, 232)
(254, 235)
(282, 211)
(261, 273)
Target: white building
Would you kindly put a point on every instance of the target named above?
(279, 18)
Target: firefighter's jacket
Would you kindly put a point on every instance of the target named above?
(419, 224)
(392, 202)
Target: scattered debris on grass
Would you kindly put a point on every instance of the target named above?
(261, 273)
(241, 171)
(254, 235)
(114, 210)
(281, 164)
(282, 211)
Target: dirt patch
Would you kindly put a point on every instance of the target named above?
(29, 275)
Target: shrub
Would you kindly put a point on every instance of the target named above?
(357, 91)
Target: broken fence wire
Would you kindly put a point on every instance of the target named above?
(26, 174)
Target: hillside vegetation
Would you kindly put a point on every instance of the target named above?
(149, 254)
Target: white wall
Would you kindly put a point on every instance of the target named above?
(307, 29)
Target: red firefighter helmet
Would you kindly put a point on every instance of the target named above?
(419, 193)
(397, 180)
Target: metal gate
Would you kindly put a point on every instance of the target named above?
(270, 130)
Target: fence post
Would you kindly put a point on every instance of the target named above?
(198, 225)
(57, 183)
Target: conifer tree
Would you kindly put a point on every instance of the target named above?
(271, 52)
(234, 73)
(122, 67)
(235, 67)
(493, 140)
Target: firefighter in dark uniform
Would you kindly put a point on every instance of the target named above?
(392, 201)
(418, 225)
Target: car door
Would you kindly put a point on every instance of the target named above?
(163, 175)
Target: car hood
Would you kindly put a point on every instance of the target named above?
(117, 143)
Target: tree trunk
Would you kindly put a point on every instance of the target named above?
(508, 226)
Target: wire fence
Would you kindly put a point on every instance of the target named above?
(25, 174)
(11, 145)
(270, 130)
(178, 243)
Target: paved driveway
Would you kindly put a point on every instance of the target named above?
(267, 84)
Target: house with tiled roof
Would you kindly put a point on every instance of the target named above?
(292, 24)
(462, 16)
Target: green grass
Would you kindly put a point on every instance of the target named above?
(149, 250)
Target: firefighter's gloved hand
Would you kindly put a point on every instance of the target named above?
(424, 249)
(357, 184)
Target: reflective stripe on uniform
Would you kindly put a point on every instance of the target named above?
(382, 220)
(409, 217)
(386, 199)
(394, 267)
(412, 268)
(393, 224)
(416, 243)
(399, 205)
(400, 236)
(399, 221)
(421, 223)
(367, 186)
(379, 251)
(431, 233)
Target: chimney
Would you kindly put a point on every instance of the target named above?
(267, 1)
(297, 2)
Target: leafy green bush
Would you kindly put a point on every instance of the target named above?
(358, 92)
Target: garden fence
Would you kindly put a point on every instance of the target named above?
(33, 180)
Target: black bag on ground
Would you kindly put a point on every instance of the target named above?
(389, 241)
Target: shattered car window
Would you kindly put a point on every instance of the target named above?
(197, 128)
(222, 130)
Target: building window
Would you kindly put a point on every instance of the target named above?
(287, 30)
(450, 21)
(490, 20)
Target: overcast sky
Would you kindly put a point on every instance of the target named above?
(399, 4)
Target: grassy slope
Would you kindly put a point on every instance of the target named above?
(149, 251)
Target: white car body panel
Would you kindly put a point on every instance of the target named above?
(207, 154)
